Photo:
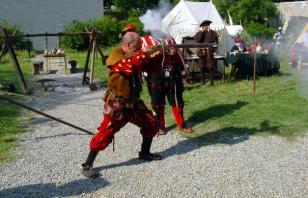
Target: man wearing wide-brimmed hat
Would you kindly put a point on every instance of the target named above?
(206, 57)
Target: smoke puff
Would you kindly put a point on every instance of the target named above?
(152, 18)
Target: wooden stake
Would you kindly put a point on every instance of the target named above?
(15, 62)
(101, 54)
(92, 61)
(45, 114)
(299, 61)
(84, 79)
(254, 71)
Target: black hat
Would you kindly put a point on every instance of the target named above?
(205, 23)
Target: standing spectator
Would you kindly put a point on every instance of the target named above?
(206, 55)
(278, 36)
(278, 41)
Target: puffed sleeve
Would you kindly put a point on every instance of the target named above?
(130, 65)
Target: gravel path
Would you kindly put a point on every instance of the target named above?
(49, 157)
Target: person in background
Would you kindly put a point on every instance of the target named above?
(164, 79)
(278, 36)
(238, 47)
(122, 101)
(206, 55)
(278, 41)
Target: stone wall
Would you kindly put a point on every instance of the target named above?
(38, 16)
(289, 9)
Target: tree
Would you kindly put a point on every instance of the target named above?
(255, 15)
(19, 43)
(223, 6)
(247, 11)
(79, 42)
(107, 29)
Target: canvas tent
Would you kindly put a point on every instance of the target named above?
(303, 37)
(185, 18)
(234, 30)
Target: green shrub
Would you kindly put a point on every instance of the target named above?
(107, 29)
(19, 43)
(79, 42)
(259, 30)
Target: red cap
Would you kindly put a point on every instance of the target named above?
(130, 27)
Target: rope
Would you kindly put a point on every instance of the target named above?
(164, 55)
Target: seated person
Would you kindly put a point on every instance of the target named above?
(238, 47)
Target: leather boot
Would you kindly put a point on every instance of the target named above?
(202, 72)
(87, 169)
(212, 76)
(160, 118)
(145, 154)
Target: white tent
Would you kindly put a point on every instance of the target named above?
(303, 36)
(185, 18)
(234, 30)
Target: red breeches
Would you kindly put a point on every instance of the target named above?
(140, 116)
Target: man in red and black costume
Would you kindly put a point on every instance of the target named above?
(128, 28)
(122, 101)
(164, 79)
(206, 56)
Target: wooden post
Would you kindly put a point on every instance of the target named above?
(15, 62)
(254, 70)
(4, 50)
(4, 47)
(299, 61)
(101, 54)
(225, 53)
(84, 79)
(92, 60)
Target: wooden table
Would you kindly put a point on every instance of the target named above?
(48, 62)
(266, 64)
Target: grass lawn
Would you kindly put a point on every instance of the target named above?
(224, 114)
(229, 112)
(11, 117)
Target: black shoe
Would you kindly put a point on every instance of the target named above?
(149, 156)
(88, 171)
